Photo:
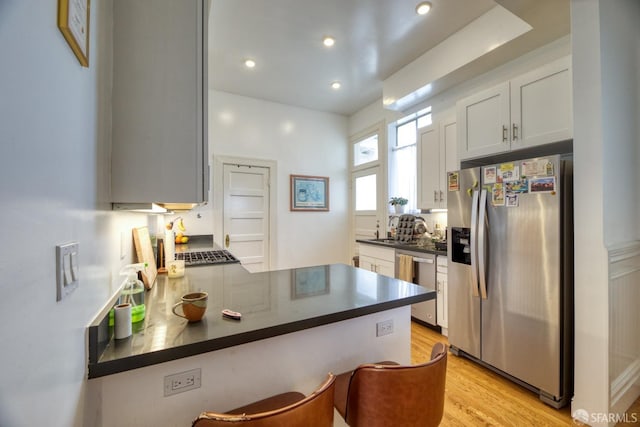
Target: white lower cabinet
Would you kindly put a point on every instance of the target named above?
(442, 309)
(377, 259)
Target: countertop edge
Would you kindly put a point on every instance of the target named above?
(404, 247)
(101, 369)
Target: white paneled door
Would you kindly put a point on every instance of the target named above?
(246, 214)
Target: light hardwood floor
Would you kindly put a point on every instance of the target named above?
(476, 396)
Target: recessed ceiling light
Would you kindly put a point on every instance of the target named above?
(423, 8)
(328, 41)
(336, 85)
(249, 63)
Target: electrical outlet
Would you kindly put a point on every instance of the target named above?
(384, 328)
(183, 381)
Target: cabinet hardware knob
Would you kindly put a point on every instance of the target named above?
(514, 132)
(504, 133)
(226, 241)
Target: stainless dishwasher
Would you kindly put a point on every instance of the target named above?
(424, 274)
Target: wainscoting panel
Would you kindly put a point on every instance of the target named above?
(624, 325)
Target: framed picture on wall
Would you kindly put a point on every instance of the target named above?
(73, 21)
(309, 193)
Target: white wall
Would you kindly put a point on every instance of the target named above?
(620, 59)
(606, 81)
(302, 142)
(54, 135)
(591, 297)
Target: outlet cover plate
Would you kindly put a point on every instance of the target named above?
(384, 328)
(183, 381)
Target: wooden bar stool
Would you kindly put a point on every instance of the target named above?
(290, 409)
(388, 394)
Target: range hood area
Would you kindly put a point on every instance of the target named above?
(159, 137)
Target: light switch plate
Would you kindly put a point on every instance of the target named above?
(67, 269)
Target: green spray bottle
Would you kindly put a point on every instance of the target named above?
(133, 290)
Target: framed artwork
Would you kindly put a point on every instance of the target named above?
(73, 21)
(310, 281)
(309, 193)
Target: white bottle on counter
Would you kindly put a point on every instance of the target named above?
(169, 246)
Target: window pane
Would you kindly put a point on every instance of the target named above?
(365, 151)
(424, 121)
(366, 199)
(406, 134)
(403, 179)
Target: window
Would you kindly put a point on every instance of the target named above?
(403, 156)
(366, 190)
(365, 151)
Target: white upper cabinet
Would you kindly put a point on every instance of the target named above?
(159, 139)
(437, 154)
(483, 122)
(541, 106)
(530, 110)
(430, 193)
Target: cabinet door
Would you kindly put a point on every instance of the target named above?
(386, 268)
(429, 168)
(541, 105)
(483, 123)
(367, 263)
(448, 155)
(159, 101)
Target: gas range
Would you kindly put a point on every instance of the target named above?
(210, 257)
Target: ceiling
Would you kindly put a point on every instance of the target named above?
(374, 39)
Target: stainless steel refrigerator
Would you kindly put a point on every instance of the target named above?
(510, 234)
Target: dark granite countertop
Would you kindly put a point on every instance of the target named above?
(430, 248)
(272, 303)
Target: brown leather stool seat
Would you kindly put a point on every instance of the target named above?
(387, 394)
(290, 409)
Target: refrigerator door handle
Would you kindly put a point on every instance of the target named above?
(482, 234)
(474, 245)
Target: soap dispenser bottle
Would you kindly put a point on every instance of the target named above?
(133, 290)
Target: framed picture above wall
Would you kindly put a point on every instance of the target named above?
(309, 193)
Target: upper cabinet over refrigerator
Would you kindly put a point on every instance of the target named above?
(530, 110)
(159, 151)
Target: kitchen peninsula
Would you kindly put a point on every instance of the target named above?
(296, 326)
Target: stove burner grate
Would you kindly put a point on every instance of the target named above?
(206, 257)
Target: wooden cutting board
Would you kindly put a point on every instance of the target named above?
(144, 253)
